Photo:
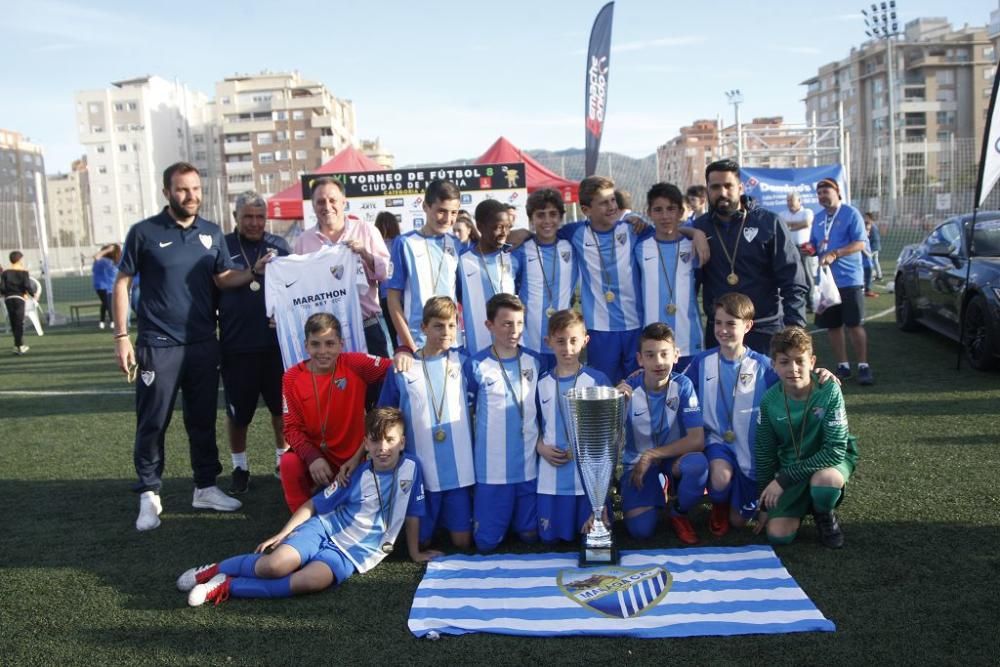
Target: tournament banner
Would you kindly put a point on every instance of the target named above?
(652, 593)
(401, 191)
(596, 87)
(770, 187)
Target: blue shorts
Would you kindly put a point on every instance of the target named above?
(246, 376)
(500, 507)
(651, 494)
(743, 492)
(562, 517)
(452, 509)
(613, 352)
(313, 544)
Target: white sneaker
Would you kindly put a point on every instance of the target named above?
(149, 511)
(196, 575)
(100, 325)
(212, 498)
(215, 589)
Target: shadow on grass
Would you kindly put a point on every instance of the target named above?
(896, 589)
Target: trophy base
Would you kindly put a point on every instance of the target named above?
(598, 556)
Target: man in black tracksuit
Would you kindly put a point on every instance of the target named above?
(753, 254)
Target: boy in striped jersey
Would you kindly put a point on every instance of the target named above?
(563, 508)
(485, 270)
(424, 264)
(668, 264)
(548, 271)
(805, 454)
(731, 380)
(432, 397)
(346, 528)
(502, 380)
(663, 435)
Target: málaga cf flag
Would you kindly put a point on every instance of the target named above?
(655, 593)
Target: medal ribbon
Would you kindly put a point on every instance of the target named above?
(438, 409)
(730, 406)
(802, 427)
(605, 275)
(555, 270)
(518, 399)
(319, 406)
(736, 248)
(663, 265)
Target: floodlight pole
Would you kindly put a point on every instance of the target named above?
(735, 98)
(881, 23)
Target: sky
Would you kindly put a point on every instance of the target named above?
(441, 80)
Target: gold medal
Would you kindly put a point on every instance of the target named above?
(550, 311)
(729, 436)
(732, 279)
(254, 286)
(609, 296)
(439, 435)
(671, 309)
(387, 548)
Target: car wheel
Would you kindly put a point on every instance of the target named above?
(976, 343)
(906, 317)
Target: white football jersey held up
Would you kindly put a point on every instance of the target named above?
(326, 281)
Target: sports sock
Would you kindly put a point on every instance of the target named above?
(862, 365)
(240, 461)
(642, 525)
(824, 498)
(720, 495)
(787, 539)
(277, 455)
(694, 475)
(844, 364)
(252, 587)
(240, 566)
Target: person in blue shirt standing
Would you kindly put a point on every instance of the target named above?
(251, 359)
(103, 275)
(839, 238)
(182, 258)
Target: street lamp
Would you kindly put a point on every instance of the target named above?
(735, 98)
(881, 23)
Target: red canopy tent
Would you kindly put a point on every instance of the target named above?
(537, 176)
(287, 204)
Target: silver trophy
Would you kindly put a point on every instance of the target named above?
(596, 424)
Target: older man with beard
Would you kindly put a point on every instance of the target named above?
(182, 258)
(752, 253)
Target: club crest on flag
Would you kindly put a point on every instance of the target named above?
(617, 592)
(206, 240)
(340, 383)
(749, 233)
(337, 271)
(565, 255)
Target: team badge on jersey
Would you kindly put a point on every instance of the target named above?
(340, 383)
(206, 240)
(620, 238)
(746, 378)
(818, 412)
(448, 250)
(528, 374)
(329, 491)
(453, 371)
(749, 233)
(337, 271)
(405, 484)
(147, 377)
(565, 255)
(616, 592)
(685, 256)
(672, 403)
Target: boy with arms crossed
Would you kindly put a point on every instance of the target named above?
(432, 397)
(663, 435)
(502, 380)
(348, 527)
(803, 464)
(563, 507)
(667, 265)
(548, 271)
(484, 271)
(324, 406)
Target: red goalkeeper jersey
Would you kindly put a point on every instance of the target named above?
(341, 398)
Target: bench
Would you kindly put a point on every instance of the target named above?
(74, 311)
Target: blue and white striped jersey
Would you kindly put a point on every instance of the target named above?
(506, 416)
(447, 462)
(565, 479)
(657, 418)
(353, 518)
(609, 276)
(549, 274)
(480, 277)
(422, 267)
(731, 392)
(668, 279)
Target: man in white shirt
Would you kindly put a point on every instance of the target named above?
(799, 221)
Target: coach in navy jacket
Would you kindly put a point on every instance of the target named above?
(753, 254)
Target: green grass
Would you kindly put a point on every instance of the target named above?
(916, 581)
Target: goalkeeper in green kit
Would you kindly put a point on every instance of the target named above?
(804, 453)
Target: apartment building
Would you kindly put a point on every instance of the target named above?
(276, 126)
(131, 132)
(68, 207)
(682, 159)
(20, 160)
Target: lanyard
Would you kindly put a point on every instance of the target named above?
(828, 226)
(802, 426)
(324, 417)
(518, 399)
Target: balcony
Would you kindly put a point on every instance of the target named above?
(331, 141)
(237, 188)
(236, 147)
(245, 126)
(306, 102)
(244, 167)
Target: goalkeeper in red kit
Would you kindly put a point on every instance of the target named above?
(324, 411)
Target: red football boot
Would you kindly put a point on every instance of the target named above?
(682, 526)
(718, 522)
